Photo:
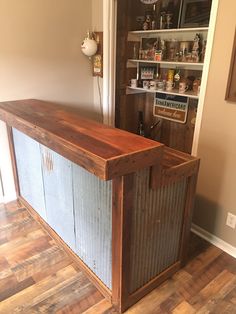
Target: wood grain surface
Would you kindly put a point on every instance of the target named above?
(105, 151)
(37, 276)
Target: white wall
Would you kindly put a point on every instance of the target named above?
(40, 55)
(217, 143)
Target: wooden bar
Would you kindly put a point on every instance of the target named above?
(125, 201)
(107, 152)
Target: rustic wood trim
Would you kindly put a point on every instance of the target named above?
(155, 282)
(91, 276)
(187, 219)
(122, 166)
(175, 173)
(231, 84)
(122, 194)
(13, 160)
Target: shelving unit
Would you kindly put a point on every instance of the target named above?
(196, 66)
(170, 30)
(171, 63)
(130, 101)
(189, 94)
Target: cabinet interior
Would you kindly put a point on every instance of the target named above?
(129, 101)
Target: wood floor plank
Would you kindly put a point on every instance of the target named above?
(36, 263)
(99, 308)
(202, 277)
(153, 300)
(52, 269)
(184, 308)
(7, 218)
(3, 263)
(16, 287)
(37, 276)
(57, 297)
(19, 228)
(171, 302)
(24, 298)
(202, 260)
(88, 297)
(11, 246)
(27, 250)
(212, 289)
(224, 293)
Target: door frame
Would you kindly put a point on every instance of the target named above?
(109, 64)
(206, 68)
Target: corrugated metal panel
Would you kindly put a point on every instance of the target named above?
(57, 176)
(28, 159)
(156, 228)
(93, 222)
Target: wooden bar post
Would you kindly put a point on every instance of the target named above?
(121, 230)
(189, 203)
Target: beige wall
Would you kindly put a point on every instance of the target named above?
(217, 146)
(40, 52)
(40, 57)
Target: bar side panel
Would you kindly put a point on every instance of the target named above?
(156, 228)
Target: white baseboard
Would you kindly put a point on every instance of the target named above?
(224, 246)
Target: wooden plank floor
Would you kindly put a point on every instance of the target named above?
(37, 276)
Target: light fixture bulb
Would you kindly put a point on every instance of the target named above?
(89, 47)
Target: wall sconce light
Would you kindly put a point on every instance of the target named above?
(89, 46)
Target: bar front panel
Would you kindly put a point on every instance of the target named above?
(93, 226)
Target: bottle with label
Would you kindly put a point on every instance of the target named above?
(140, 124)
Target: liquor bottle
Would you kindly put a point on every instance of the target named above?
(140, 124)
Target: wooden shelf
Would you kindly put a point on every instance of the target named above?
(173, 30)
(189, 94)
(172, 63)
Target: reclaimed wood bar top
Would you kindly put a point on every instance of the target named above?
(104, 151)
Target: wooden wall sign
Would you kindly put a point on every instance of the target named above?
(231, 87)
(171, 107)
